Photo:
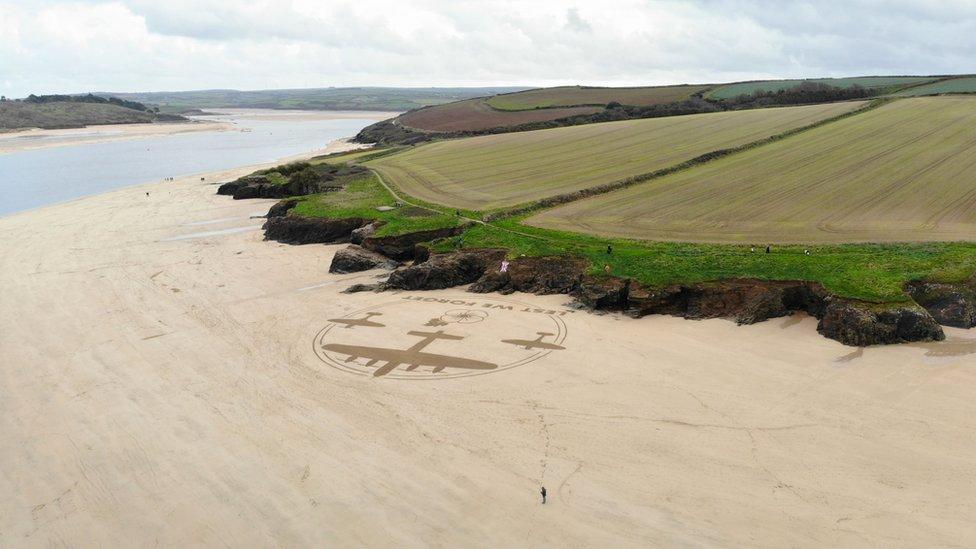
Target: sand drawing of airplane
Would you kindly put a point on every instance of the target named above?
(364, 322)
(413, 357)
(536, 343)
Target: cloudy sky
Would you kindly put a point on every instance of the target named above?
(149, 45)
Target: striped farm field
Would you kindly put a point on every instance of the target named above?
(904, 172)
(966, 84)
(730, 91)
(567, 96)
(475, 114)
(497, 171)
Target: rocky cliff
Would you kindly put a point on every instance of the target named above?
(746, 301)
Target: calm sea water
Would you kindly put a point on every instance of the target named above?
(40, 177)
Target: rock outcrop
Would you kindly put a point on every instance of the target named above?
(536, 275)
(949, 304)
(445, 270)
(281, 209)
(404, 247)
(295, 179)
(745, 301)
(354, 259)
(291, 229)
(364, 232)
(860, 324)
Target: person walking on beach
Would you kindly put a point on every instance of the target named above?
(543, 492)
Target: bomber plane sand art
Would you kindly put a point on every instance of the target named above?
(413, 357)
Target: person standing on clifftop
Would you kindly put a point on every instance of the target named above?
(543, 492)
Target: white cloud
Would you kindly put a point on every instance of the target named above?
(56, 46)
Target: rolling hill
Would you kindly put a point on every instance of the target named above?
(365, 98)
(22, 114)
(495, 171)
(570, 96)
(731, 91)
(905, 171)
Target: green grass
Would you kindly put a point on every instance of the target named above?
(952, 85)
(498, 171)
(904, 172)
(870, 272)
(568, 96)
(730, 91)
(360, 197)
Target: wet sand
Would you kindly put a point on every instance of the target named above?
(32, 139)
(164, 382)
(23, 140)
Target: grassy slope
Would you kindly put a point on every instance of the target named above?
(495, 171)
(360, 198)
(866, 271)
(952, 85)
(567, 96)
(18, 114)
(901, 173)
(730, 91)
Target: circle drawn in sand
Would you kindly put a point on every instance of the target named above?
(464, 316)
(420, 338)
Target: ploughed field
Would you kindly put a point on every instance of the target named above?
(903, 172)
(567, 96)
(498, 171)
(476, 114)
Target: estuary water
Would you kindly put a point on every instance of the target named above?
(38, 177)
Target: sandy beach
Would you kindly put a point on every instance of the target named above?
(31, 139)
(171, 379)
(35, 138)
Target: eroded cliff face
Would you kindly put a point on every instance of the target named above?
(295, 179)
(860, 324)
(403, 247)
(291, 229)
(745, 301)
(949, 304)
(354, 259)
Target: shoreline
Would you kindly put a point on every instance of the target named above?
(31, 139)
(338, 145)
(28, 139)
